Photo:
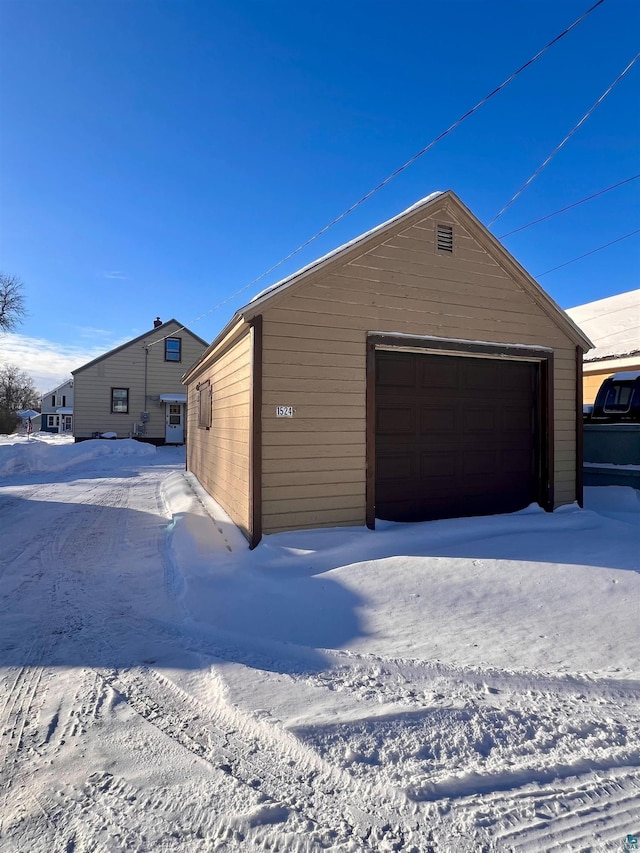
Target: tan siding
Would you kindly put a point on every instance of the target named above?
(591, 385)
(315, 360)
(351, 445)
(333, 516)
(565, 424)
(125, 368)
(288, 338)
(219, 457)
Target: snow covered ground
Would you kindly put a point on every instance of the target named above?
(463, 685)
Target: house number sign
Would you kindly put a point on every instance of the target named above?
(284, 411)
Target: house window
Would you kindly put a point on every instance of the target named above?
(120, 400)
(52, 421)
(204, 404)
(173, 349)
(53, 400)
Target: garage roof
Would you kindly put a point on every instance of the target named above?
(450, 202)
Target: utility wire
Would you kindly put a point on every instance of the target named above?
(400, 169)
(568, 207)
(592, 252)
(565, 140)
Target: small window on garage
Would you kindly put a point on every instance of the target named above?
(204, 404)
(444, 238)
(120, 401)
(173, 349)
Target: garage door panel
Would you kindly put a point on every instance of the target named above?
(398, 372)
(395, 420)
(437, 465)
(515, 378)
(443, 418)
(516, 462)
(516, 419)
(410, 510)
(480, 419)
(395, 466)
(443, 376)
(467, 449)
(480, 372)
(480, 462)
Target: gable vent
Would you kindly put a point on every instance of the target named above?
(444, 238)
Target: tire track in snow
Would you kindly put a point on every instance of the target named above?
(592, 814)
(591, 733)
(382, 675)
(288, 774)
(19, 712)
(110, 814)
(57, 555)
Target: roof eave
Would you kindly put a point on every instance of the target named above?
(445, 199)
(254, 307)
(198, 366)
(154, 331)
(535, 290)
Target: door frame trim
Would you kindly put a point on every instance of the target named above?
(541, 356)
(167, 415)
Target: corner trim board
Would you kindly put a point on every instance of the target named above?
(579, 431)
(370, 483)
(255, 485)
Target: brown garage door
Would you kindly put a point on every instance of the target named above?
(455, 436)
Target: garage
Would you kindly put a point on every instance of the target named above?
(455, 435)
(415, 372)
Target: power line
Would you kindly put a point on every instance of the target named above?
(568, 207)
(400, 169)
(428, 147)
(592, 252)
(565, 140)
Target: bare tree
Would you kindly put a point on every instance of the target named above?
(17, 392)
(12, 310)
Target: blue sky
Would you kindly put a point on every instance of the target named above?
(158, 155)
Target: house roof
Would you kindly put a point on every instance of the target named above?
(449, 201)
(157, 332)
(612, 323)
(57, 388)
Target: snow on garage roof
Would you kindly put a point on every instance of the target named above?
(613, 324)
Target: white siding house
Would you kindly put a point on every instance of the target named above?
(56, 407)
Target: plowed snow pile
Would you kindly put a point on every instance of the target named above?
(463, 685)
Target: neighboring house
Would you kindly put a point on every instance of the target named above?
(416, 372)
(56, 409)
(613, 324)
(136, 389)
